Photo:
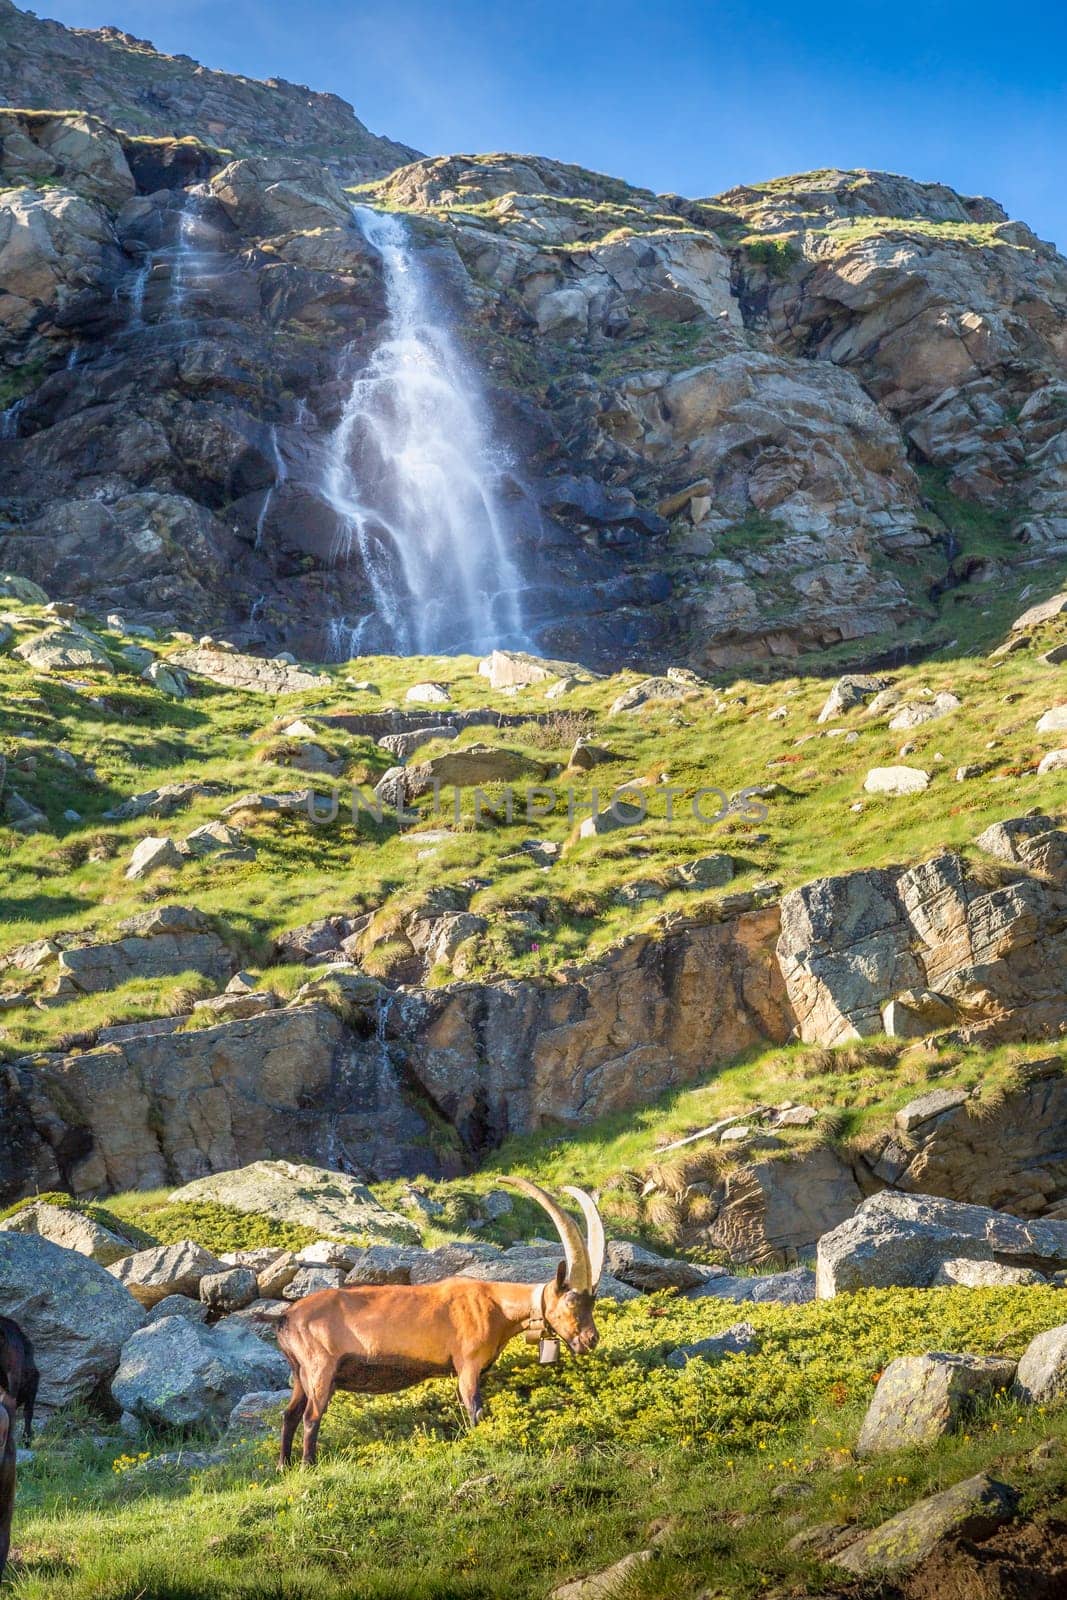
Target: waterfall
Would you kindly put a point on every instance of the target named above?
(180, 258)
(279, 478)
(137, 290)
(416, 481)
(9, 420)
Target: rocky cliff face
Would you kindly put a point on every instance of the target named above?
(820, 414)
(414, 1080)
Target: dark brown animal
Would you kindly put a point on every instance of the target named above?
(379, 1339)
(18, 1386)
(19, 1377)
(7, 1476)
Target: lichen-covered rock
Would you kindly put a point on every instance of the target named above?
(64, 648)
(150, 1275)
(1041, 1378)
(257, 1413)
(906, 1239)
(314, 1197)
(76, 1315)
(972, 1509)
(236, 671)
(70, 1228)
(179, 1373)
(922, 1398)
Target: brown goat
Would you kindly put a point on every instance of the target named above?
(18, 1387)
(378, 1339)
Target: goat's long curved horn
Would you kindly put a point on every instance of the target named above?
(596, 1244)
(578, 1273)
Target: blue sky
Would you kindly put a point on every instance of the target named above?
(683, 96)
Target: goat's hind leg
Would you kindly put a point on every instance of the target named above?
(319, 1391)
(292, 1415)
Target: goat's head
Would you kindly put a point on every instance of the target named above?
(568, 1298)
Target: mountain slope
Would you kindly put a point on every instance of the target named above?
(143, 91)
(817, 420)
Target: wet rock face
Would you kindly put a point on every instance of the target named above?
(371, 1095)
(159, 1110)
(386, 1082)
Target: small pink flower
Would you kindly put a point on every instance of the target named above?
(535, 948)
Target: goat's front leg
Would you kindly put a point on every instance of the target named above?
(470, 1391)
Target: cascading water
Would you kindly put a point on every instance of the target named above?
(279, 478)
(180, 259)
(137, 292)
(417, 481)
(9, 420)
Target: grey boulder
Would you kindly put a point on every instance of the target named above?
(178, 1373)
(642, 1269)
(166, 1269)
(735, 1341)
(69, 1228)
(906, 1240)
(972, 1509)
(922, 1398)
(1042, 1375)
(76, 1315)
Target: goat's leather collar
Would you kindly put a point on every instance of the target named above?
(537, 1330)
(534, 1325)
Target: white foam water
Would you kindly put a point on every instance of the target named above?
(416, 479)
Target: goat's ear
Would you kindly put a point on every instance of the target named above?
(561, 1276)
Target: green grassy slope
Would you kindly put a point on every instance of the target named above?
(577, 1465)
(125, 737)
